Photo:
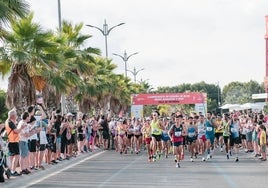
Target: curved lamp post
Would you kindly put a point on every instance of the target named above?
(135, 72)
(125, 58)
(105, 31)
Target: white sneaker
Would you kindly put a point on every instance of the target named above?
(192, 160)
(208, 156)
(221, 150)
(203, 159)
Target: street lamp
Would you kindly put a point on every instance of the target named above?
(105, 31)
(125, 58)
(135, 72)
(219, 101)
(63, 100)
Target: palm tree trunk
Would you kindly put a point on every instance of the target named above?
(21, 90)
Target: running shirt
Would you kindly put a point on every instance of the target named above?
(177, 133)
(155, 128)
(191, 132)
(209, 128)
(201, 129)
(226, 129)
(219, 128)
(121, 131)
(146, 132)
(234, 128)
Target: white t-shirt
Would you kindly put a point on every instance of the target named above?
(23, 131)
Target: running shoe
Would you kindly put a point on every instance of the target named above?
(208, 156)
(154, 158)
(221, 150)
(227, 156)
(192, 160)
(178, 165)
(15, 174)
(175, 160)
(203, 159)
(236, 159)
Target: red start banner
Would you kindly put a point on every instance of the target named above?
(169, 98)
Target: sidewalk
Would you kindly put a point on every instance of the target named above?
(20, 181)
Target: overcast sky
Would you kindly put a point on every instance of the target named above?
(179, 41)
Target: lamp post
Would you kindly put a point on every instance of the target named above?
(219, 101)
(105, 31)
(63, 101)
(125, 58)
(135, 72)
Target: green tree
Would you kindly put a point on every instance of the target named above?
(241, 92)
(10, 11)
(3, 109)
(26, 52)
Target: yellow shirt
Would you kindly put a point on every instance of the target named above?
(155, 129)
(219, 128)
(263, 138)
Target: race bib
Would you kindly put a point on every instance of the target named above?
(178, 133)
(155, 130)
(209, 129)
(234, 130)
(191, 134)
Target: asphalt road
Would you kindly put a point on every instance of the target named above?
(110, 169)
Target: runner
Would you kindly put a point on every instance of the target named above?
(234, 138)
(176, 133)
(146, 132)
(156, 131)
(121, 130)
(210, 134)
(219, 133)
(137, 135)
(165, 137)
(191, 137)
(226, 134)
(201, 136)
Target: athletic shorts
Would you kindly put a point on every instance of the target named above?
(177, 144)
(226, 139)
(211, 138)
(158, 138)
(218, 135)
(148, 140)
(203, 138)
(234, 141)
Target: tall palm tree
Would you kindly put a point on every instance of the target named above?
(27, 51)
(10, 10)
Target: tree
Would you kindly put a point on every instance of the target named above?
(241, 92)
(27, 51)
(3, 109)
(10, 11)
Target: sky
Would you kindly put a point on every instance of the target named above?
(179, 41)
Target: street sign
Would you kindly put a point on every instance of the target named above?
(260, 96)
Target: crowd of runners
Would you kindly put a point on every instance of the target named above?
(198, 134)
(38, 138)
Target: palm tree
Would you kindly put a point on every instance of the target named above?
(76, 61)
(26, 52)
(10, 10)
